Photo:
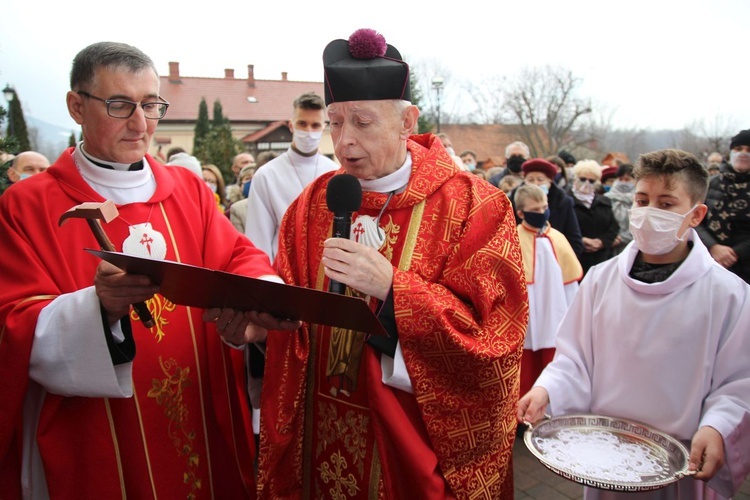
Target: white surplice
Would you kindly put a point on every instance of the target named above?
(674, 355)
(549, 297)
(274, 187)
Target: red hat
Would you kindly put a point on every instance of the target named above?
(608, 173)
(540, 165)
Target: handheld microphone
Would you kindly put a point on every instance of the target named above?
(343, 196)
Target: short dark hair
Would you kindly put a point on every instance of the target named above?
(106, 55)
(309, 100)
(671, 165)
(624, 169)
(468, 152)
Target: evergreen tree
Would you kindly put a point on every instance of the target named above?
(72, 139)
(219, 119)
(202, 128)
(7, 144)
(17, 124)
(222, 146)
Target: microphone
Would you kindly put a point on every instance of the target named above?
(343, 196)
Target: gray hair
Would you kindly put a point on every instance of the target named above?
(107, 55)
(520, 144)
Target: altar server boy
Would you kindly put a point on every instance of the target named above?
(661, 335)
(552, 273)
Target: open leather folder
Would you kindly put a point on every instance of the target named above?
(196, 286)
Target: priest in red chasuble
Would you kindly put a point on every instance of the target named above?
(427, 412)
(94, 404)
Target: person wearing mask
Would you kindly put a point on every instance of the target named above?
(726, 229)
(282, 179)
(427, 412)
(599, 228)
(95, 403)
(27, 164)
(215, 182)
(609, 176)
(552, 273)
(469, 159)
(562, 216)
(621, 196)
(234, 190)
(659, 335)
(515, 154)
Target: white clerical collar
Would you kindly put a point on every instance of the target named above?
(120, 186)
(393, 182)
(93, 159)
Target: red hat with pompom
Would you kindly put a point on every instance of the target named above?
(364, 68)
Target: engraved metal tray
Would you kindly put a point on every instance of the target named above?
(608, 453)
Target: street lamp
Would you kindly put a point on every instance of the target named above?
(10, 93)
(437, 84)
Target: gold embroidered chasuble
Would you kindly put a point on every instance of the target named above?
(329, 426)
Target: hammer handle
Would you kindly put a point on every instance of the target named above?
(106, 244)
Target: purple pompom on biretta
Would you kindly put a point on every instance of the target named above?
(367, 43)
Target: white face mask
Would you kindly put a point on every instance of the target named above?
(307, 142)
(740, 160)
(584, 187)
(655, 230)
(212, 186)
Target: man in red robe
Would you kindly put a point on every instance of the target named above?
(427, 412)
(82, 415)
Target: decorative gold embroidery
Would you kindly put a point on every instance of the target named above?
(169, 394)
(157, 305)
(335, 473)
(391, 236)
(344, 356)
(351, 430)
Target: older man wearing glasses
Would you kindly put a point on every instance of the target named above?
(81, 415)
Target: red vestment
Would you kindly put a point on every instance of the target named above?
(461, 311)
(186, 431)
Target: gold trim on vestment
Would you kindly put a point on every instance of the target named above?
(411, 236)
(195, 354)
(27, 299)
(116, 445)
(334, 471)
(145, 443)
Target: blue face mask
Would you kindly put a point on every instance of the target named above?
(246, 189)
(607, 188)
(535, 219)
(24, 176)
(544, 188)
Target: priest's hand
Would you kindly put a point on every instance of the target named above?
(706, 453)
(358, 266)
(117, 290)
(240, 328)
(532, 406)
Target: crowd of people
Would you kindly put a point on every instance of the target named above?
(549, 285)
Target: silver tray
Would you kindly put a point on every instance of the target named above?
(608, 453)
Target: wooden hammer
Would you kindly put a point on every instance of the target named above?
(94, 213)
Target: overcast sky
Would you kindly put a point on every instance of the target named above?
(655, 64)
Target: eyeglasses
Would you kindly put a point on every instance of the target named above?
(584, 179)
(119, 108)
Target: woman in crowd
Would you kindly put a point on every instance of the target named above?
(726, 228)
(599, 227)
(215, 181)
